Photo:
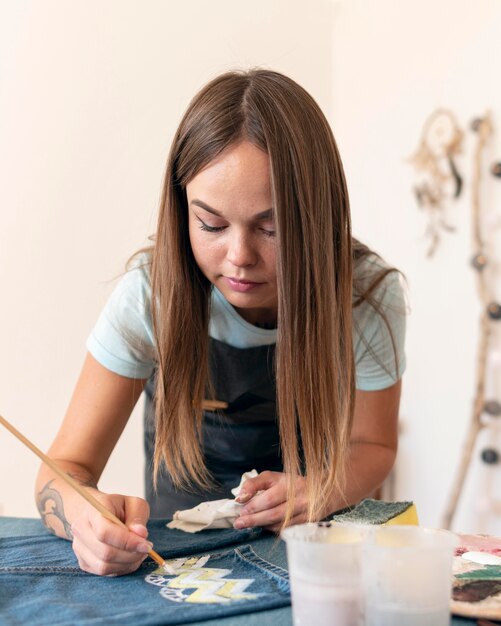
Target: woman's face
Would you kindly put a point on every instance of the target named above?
(232, 230)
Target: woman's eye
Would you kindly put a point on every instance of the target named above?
(269, 232)
(210, 229)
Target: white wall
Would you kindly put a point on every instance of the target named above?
(90, 95)
(394, 62)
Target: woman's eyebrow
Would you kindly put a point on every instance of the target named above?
(206, 207)
(264, 215)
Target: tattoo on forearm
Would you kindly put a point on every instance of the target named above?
(50, 505)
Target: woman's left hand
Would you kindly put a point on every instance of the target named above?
(267, 509)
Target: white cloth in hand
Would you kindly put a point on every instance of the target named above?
(212, 514)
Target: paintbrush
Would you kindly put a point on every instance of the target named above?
(212, 405)
(79, 489)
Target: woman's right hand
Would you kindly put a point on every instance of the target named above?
(103, 547)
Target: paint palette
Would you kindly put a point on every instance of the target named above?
(476, 589)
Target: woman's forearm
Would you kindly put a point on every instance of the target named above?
(97, 414)
(368, 466)
(57, 503)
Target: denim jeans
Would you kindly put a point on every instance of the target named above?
(41, 583)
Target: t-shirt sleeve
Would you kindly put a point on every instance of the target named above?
(122, 339)
(379, 342)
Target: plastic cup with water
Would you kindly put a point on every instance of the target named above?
(408, 576)
(325, 573)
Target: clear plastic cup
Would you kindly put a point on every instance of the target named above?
(407, 574)
(325, 574)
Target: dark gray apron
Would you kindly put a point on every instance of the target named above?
(242, 437)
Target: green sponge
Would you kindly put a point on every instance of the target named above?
(371, 511)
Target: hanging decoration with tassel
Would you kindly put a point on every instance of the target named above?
(439, 179)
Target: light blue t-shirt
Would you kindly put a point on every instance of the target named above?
(123, 340)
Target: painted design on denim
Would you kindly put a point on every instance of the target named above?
(197, 584)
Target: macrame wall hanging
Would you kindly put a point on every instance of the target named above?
(441, 184)
(439, 181)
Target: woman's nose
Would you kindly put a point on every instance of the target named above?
(241, 252)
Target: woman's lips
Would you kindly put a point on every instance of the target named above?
(241, 285)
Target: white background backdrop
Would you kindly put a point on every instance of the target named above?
(90, 95)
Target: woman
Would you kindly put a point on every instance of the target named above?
(254, 294)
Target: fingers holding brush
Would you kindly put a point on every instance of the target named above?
(103, 547)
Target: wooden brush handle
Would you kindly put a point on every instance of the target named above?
(214, 404)
(73, 483)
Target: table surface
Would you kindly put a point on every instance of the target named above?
(265, 546)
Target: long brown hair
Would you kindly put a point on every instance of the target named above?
(314, 352)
